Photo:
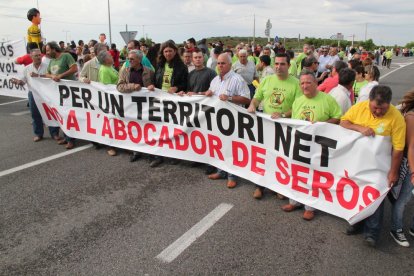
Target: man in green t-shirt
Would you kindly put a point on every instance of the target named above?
(61, 66)
(277, 92)
(313, 106)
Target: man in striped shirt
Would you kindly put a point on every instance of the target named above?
(228, 86)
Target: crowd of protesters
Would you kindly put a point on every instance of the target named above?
(327, 84)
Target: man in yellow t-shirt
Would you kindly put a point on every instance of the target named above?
(34, 36)
(377, 116)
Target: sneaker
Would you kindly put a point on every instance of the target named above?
(400, 238)
(370, 242)
(411, 231)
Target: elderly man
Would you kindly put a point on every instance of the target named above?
(278, 92)
(61, 66)
(377, 116)
(313, 106)
(228, 86)
(36, 69)
(247, 69)
(342, 93)
(133, 78)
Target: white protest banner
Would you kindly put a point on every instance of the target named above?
(7, 88)
(322, 165)
(9, 51)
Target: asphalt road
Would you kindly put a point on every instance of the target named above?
(90, 214)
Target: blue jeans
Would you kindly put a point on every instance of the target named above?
(373, 224)
(37, 121)
(225, 174)
(399, 205)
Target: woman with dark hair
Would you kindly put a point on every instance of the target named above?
(402, 192)
(171, 74)
(115, 55)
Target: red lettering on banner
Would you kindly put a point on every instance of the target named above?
(203, 148)
(72, 121)
(215, 145)
(296, 169)
(106, 129)
(244, 160)
(147, 128)
(165, 138)
(89, 128)
(131, 126)
(52, 113)
(340, 187)
(178, 145)
(282, 176)
(318, 184)
(257, 159)
(369, 195)
(119, 130)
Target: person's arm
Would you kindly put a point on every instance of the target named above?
(396, 158)
(72, 70)
(235, 99)
(333, 121)
(366, 131)
(253, 105)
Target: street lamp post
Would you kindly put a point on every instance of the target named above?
(109, 17)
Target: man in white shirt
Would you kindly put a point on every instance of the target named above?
(342, 93)
(36, 69)
(247, 69)
(228, 86)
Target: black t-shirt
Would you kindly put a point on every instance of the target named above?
(199, 80)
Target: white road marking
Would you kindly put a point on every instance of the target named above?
(20, 113)
(43, 160)
(13, 102)
(401, 66)
(176, 248)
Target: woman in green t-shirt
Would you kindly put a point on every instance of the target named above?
(107, 75)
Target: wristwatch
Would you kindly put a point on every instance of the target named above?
(230, 99)
(283, 115)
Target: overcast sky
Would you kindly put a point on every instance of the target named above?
(388, 22)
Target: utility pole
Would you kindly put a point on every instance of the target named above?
(366, 30)
(254, 30)
(109, 17)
